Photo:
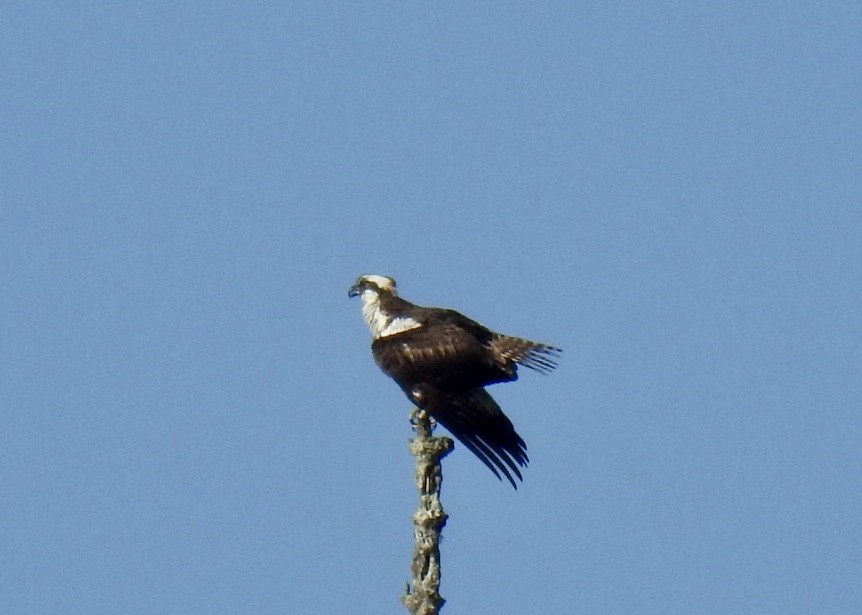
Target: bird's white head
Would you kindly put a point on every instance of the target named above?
(371, 288)
(372, 284)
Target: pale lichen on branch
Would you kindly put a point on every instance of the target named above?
(422, 596)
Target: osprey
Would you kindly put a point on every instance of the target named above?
(443, 361)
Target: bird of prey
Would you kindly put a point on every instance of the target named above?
(443, 361)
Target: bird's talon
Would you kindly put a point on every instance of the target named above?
(418, 414)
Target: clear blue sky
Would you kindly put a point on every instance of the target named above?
(191, 418)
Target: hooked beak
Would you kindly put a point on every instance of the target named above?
(354, 291)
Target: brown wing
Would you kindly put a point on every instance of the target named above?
(540, 357)
(476, 420)
(446, 356)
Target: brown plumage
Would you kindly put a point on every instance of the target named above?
(442, 360)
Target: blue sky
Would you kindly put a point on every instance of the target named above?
(192, 421)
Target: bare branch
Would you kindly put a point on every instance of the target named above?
(422, 596)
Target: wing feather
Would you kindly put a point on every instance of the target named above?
(445, 355)
(535, 355)
(476, 420)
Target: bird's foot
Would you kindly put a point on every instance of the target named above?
(417, 415)
(422, 422)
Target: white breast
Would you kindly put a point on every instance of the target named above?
(399, 325)
(381, 324)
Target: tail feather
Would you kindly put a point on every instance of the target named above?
(537, 356)
(476, 420)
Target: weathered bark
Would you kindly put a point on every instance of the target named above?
(422, 596)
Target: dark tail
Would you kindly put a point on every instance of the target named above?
(477, 421)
